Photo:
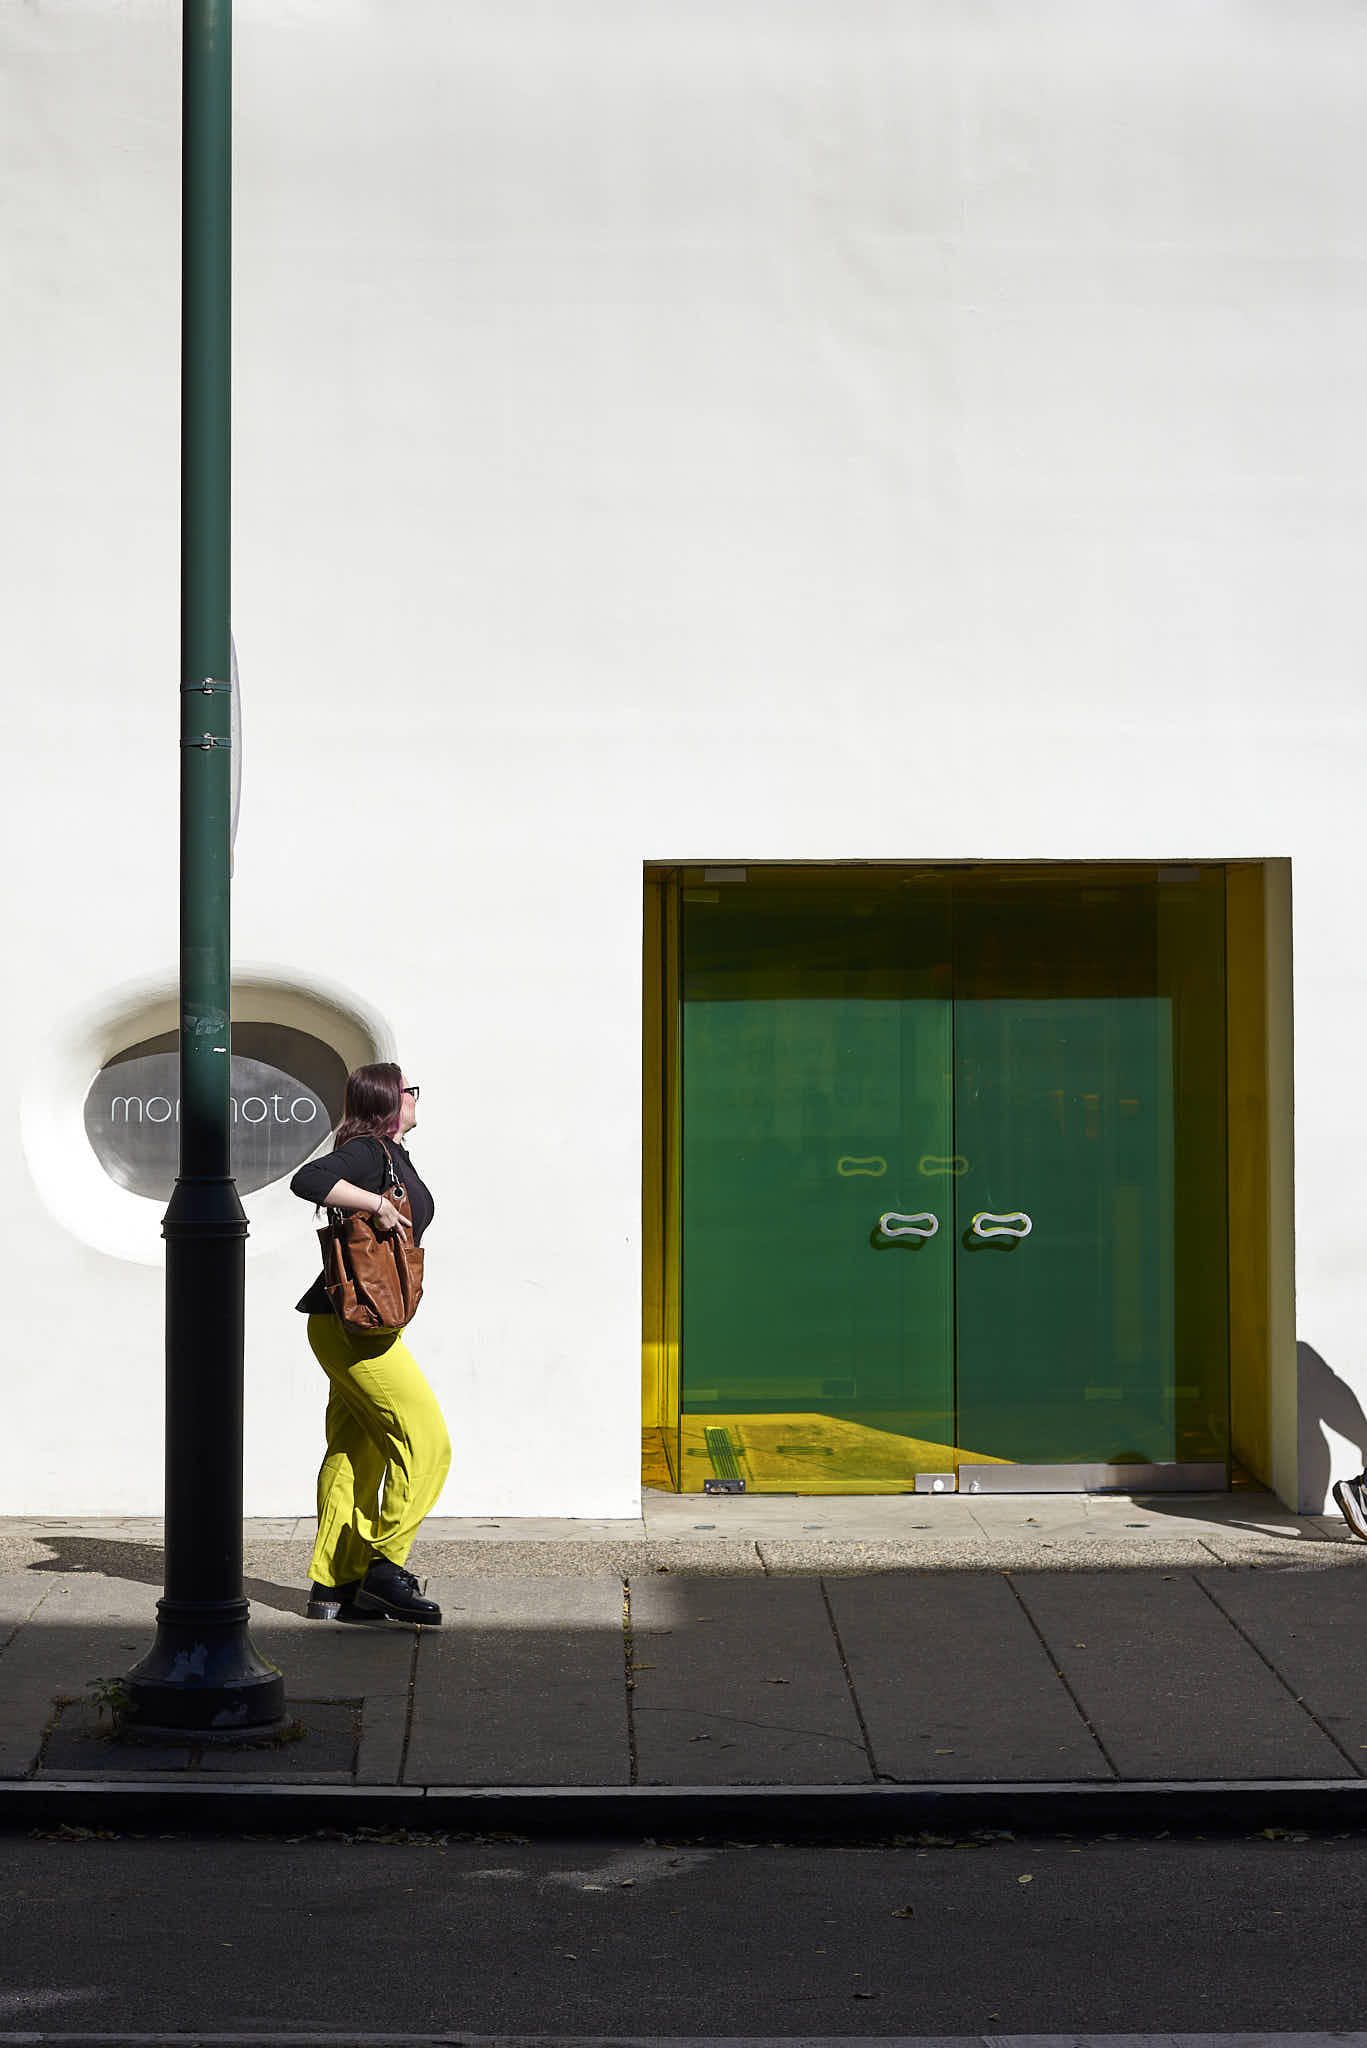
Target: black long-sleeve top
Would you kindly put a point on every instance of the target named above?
(362, 1162)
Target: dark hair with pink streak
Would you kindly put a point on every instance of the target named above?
(374, 1098)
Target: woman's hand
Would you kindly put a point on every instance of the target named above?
(344, 1194)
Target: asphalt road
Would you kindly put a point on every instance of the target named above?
(504, 1937)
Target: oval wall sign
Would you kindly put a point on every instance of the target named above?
(132, 1115)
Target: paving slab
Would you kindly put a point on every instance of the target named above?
(20, 1593)
(739, 1681)
(82, 1629)
(727, 1556)
(924, 1534)
(1169, 1686)
(1067, 1531)
(372, 1663)
(829, 1560)
(322, 1748)
(1334, 1529)
(524, 1684)
(954, 1684)
(855, 1518)
(1279, 1542)
(1313, 1630)
(109, 1552)
(585, 1558)
(496, 1529)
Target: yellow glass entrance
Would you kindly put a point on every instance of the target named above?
(940, 1178)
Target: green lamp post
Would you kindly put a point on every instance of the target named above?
(202, 1673)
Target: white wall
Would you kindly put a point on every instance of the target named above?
(770, 428)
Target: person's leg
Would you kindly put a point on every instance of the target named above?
(352, 1472)
(388, 1455)
(407, 1425)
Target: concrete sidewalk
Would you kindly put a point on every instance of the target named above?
(904, 1655)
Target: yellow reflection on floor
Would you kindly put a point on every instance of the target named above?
(816, 1454)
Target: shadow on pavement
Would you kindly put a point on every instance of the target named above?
(143, 1564)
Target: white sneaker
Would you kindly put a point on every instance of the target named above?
(1351, 1496)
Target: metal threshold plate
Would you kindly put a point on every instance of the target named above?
(728, 1477)
(1093, 1478)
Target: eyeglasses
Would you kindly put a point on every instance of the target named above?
(412, 1089)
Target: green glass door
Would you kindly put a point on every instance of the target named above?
(1083, 1190)
(817, 1263)
(953, 1178)
(1064, 1229)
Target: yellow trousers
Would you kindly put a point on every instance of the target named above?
(387, 1455)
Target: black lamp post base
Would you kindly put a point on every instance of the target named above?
(203, 1676)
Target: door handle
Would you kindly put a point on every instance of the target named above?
(922, 1224)
(988, 1224)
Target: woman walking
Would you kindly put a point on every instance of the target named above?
(387, 1448)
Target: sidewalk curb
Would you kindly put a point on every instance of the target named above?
(145, 1806)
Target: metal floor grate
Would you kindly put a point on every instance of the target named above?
(727, 1475)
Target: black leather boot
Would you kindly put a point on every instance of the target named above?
(388, 1589)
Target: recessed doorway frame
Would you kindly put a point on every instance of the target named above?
(1259, 1124)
